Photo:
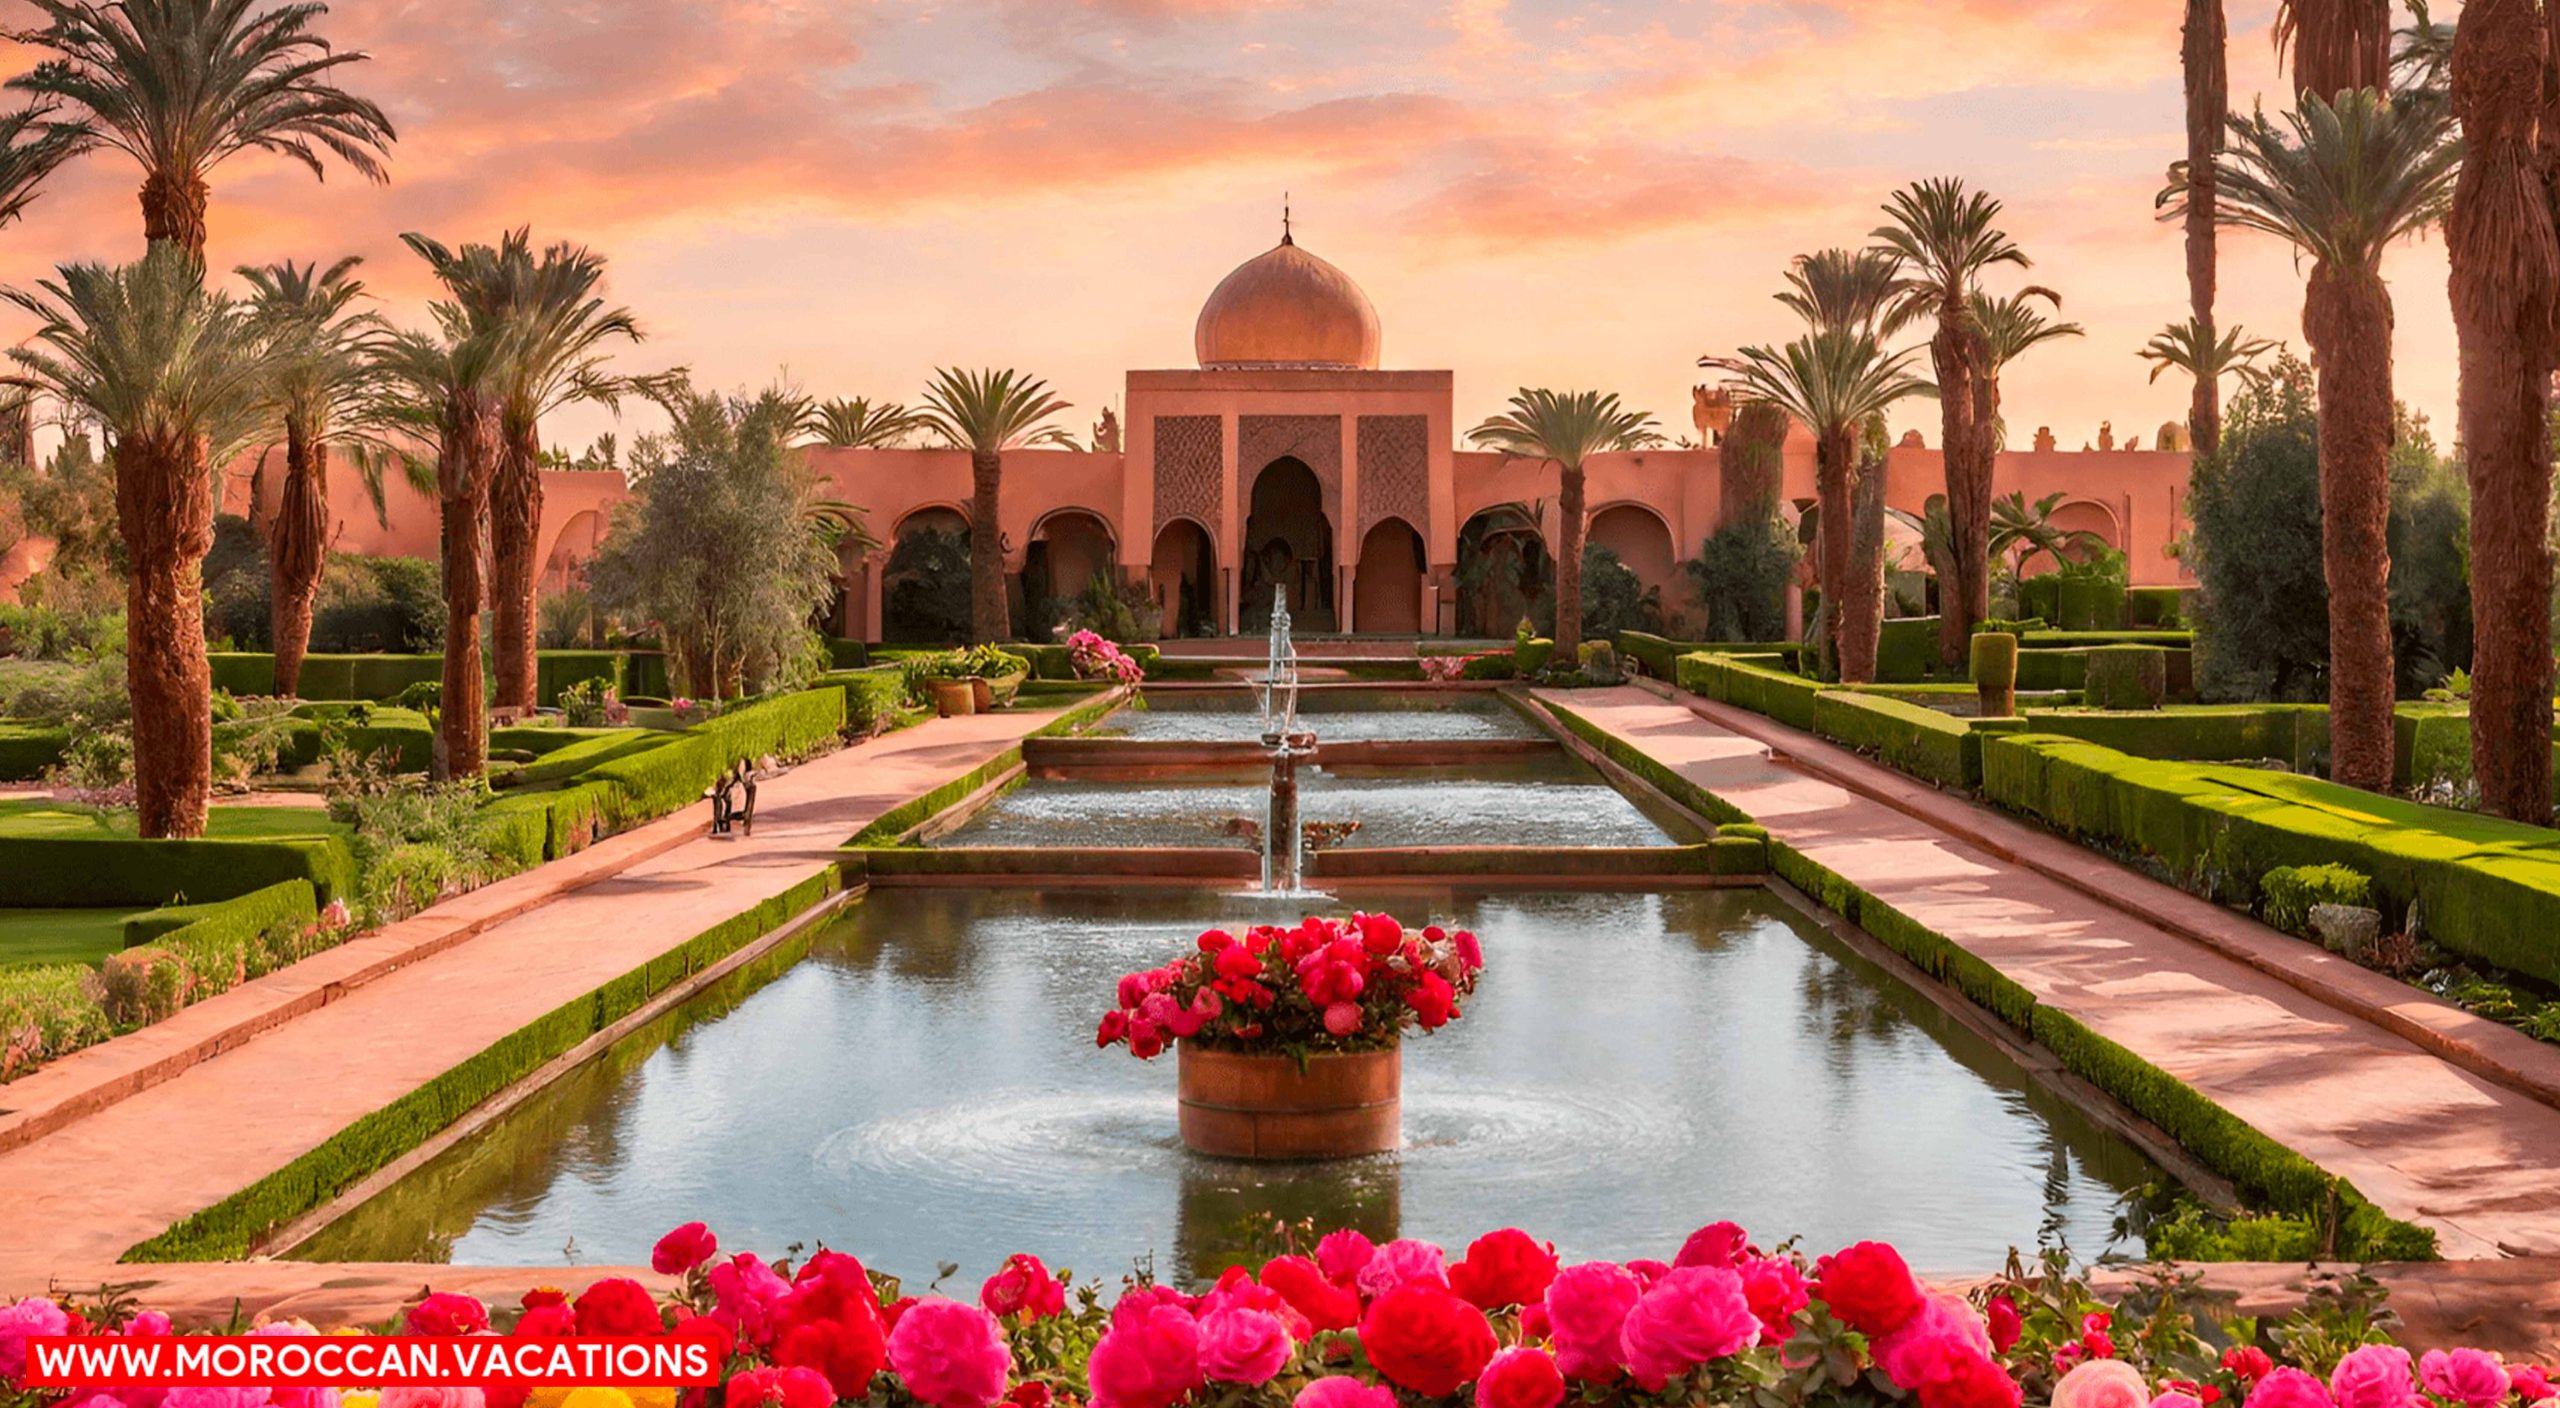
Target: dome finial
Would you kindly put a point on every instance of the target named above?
(1285, 236)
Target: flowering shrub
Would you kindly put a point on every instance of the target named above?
(1097, 658)
(1358, 1325)
(1443, 668)
(1327, 985)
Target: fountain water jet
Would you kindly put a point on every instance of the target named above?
(1283, 845)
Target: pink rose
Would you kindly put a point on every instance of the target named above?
(419, 1398)
(2373, 1376)
(33, 1316)
(748, 1297)
(2465, 1376)
(1716, 1244)
(1240, 1346)
(2177, 1398)
(2288, 1388)
(1342, 1253)
(1688, 1317)
(1149, 1360)
(1932, 1345)
(1343, 1391)
(950, 1355)
(683, 1249)
(2101, 1383)
(1025, 1288)
(1586, 1307)
(1521, 1377)
(1777, 1292)
(1401, 1262)
(2532, 1384)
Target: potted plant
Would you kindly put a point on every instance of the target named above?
(1291, 1041)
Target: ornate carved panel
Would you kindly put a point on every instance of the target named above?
(1395, 471)
(1188, 470)
(1315, 440)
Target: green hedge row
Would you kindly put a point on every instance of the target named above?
(1660, 657)
(367, 677)
(577, 756)
(2161, 608)
(231, 921)
(845, 654)
(233, 1227)
(26, 750)
(1907, 649)
(2083, 640)
(647, 785)
(1754, 683)
(1914, 738)
(2294, 733)
(2486, 888)
(94, 872)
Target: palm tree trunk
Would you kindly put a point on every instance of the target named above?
(1970, 516)
(1862, 584)
(2208, 107)
(173, 209)
(296, 548)
(466, 456)
(1968, 484)
(987, 613)
(515, 526)
(1855, 614)
(164, 513)
(2506, 283)
(2347, 319)
(2341, 44)
(1570, 530)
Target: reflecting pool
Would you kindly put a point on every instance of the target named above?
(1343, 716)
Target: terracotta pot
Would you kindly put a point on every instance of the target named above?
(954, 698)
(1263, 1107)
(982, 694)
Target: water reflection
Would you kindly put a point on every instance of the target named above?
(924, 1087)
(1338, 716)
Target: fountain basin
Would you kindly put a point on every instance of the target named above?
(1238, 1105)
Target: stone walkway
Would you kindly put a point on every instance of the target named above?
(78, 1196)
(2428, 1141)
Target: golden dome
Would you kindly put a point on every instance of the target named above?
(1287, 309)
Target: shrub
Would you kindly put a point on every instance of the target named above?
(2287, 894)
(1907, 648)
(1493, 665)
(1994, 668)
(2430, 543)
(47, 1011)
(1753, 682)
(1599, 661)
(27, 750)
(1614, 598)
(1913, 738)
(1531, 656)
(389, 604)
(2262, 610)
(1740, 578)
(926, 587)
(2159, 608)
(2127, 677)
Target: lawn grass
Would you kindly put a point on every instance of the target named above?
(45, 817)
(34, 936)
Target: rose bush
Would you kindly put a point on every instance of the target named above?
(1097, 657)
(1360, 1325)
(1325, 985)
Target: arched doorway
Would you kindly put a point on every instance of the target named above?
(924, 588)
(1185, 574)
(1386, 591)
(1643, 544)
(1288, 541)
(1503, 567)
(1068, 548)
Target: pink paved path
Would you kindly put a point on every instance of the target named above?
(78, 1197)
(2427, 1141)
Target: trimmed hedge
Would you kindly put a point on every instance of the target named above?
(1752, 683)
(2161, 608)
(234, 920)
(1048, 662)
(2090, 604)
(1914, 738)
(647, 785)
(2486, 888)
(1661, 657)
(2087, 640)
(93, 872)
(845, 654)
(232, 1228)
(369, 677)
(2294, 733)
(1907, 649)
(2127, 677)
(1532, 656)
(26, 750)
(2291, 892)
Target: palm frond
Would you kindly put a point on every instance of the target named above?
(1567, 427)
(2229, 352)
(1946, 237)
(861, 424)
(992, 410)
(1831, 381)
(2340, 182)
(2014, 325)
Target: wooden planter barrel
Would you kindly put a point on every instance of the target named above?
(954, 698)
(1237, 1106)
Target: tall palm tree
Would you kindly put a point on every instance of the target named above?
(1568, 427)
(182, 85)
(2336, 45)
(2204, 56)
(31, 146)
(547, 309)
(860, 424)
(1835, 381)
(326, 390)
(986, 413)
(174, 374)
(2341, 183)
(2505, 253)
(453, 384)
(1947, 237)
(2013, 326)
(2207, 355)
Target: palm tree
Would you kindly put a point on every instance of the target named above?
(2337, 45)
(554, 323)
(453, 384)
(2341, 183)
(2206, 355)
(2506, 289)
(2024, 529)
(31, 146)
(327, 390)
(182, 85)
(1946, 235)
(174, 374)
(1835, 381)
(1569, 428)
(2012, 327)
(2205, 59)
(987, 413)
(860, 424)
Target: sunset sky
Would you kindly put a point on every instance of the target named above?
(1532, 191)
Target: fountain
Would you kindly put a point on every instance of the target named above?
(1283, 846)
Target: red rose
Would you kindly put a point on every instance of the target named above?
(547, 1322)
(1023, 1287)
(1380, 934)
(1973, 1382)
(1303, 1285)
(1869, 1287)
(1504, 1268)
(1433, 1001)
(703, 1327)
(445, 1313)
(831, 1323)
(780, 1388)
(1716, 1244)
(1521, 1378)
(2247, 1362)
(2002, 1319)
(1425, 1339)
(541, 1296)
(618, 1305)
(1031, 1393)
(683, 1249)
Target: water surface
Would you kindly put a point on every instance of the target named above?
(1340, 715)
